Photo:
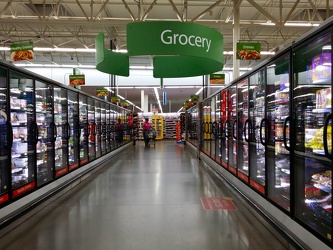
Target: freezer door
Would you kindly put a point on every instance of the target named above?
(46, 132)
(278, 148)
(243, 129)
(74, 130)
(25, 134)
(84, 129)
(312, 101)
(91, 129)
(258, 130)
(5, 139)
(61, 131)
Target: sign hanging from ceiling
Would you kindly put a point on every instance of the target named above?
(217, 78)
(248, 51)
(179, 49)
(22, 51)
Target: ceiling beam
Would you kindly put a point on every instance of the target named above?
(144, 16)
(206, 10)
(315, 11)
(264, 12)
(129, 10)
(101, 9)
(290, 12)
(54, 9)
(84, 13)
(179, 16)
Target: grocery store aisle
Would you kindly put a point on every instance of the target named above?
(149, 199)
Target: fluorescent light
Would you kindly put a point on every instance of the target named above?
(65, 49)
(301, 24)
(54, 65)
(141, 67)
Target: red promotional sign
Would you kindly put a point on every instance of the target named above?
(217, 204)
(178, 133)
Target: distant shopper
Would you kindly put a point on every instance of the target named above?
(146, 129)
(119, 130)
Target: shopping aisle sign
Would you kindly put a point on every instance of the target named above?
(248, 51)
(22, 51)
(179, 49)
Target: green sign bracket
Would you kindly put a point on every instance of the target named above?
(179, 49)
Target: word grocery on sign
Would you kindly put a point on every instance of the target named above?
(167, 37)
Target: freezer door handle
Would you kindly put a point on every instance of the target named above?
(234, 125)
(285, 133)
(68, 129)
(10, 135)
(247, 127)
(325, 134)
(54, 129)
(226, 128)
(264, 141)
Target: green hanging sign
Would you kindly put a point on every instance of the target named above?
(248, 51)
(217, 78)
(22, 51)
(179, 49)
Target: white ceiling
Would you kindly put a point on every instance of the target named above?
(76, 23)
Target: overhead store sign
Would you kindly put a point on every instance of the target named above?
(248, 51)
(22, 51)
(102, 93)
(179, 49)
(217, 79)
(76, 80)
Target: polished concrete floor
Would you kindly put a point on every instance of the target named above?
(147, 199)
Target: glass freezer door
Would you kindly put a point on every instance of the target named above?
(83, 129)
(312, 101)
(25, 134)
(5, 139)
(108, 128)
(231, 129)
(243, 128)
(103, 128)
(91, 129)
(46, 132)
(74, 130)
(98, 128)
(222, 128)
(278, 116)
(62, 131)
(258, 129)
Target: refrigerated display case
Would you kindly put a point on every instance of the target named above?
(84, 127)
(278, 117)
(74, 130)
(25, 134)
(103, 128)
(206, 127)
(193, 125)
(91, 129)
(258, 128)
(223, 126)
(312, 102)
(215, 125)
(62, 131)
(5, 139)
(231, 129)
(98, 125)
(46, 132)
(243, 130)
(108, 128)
